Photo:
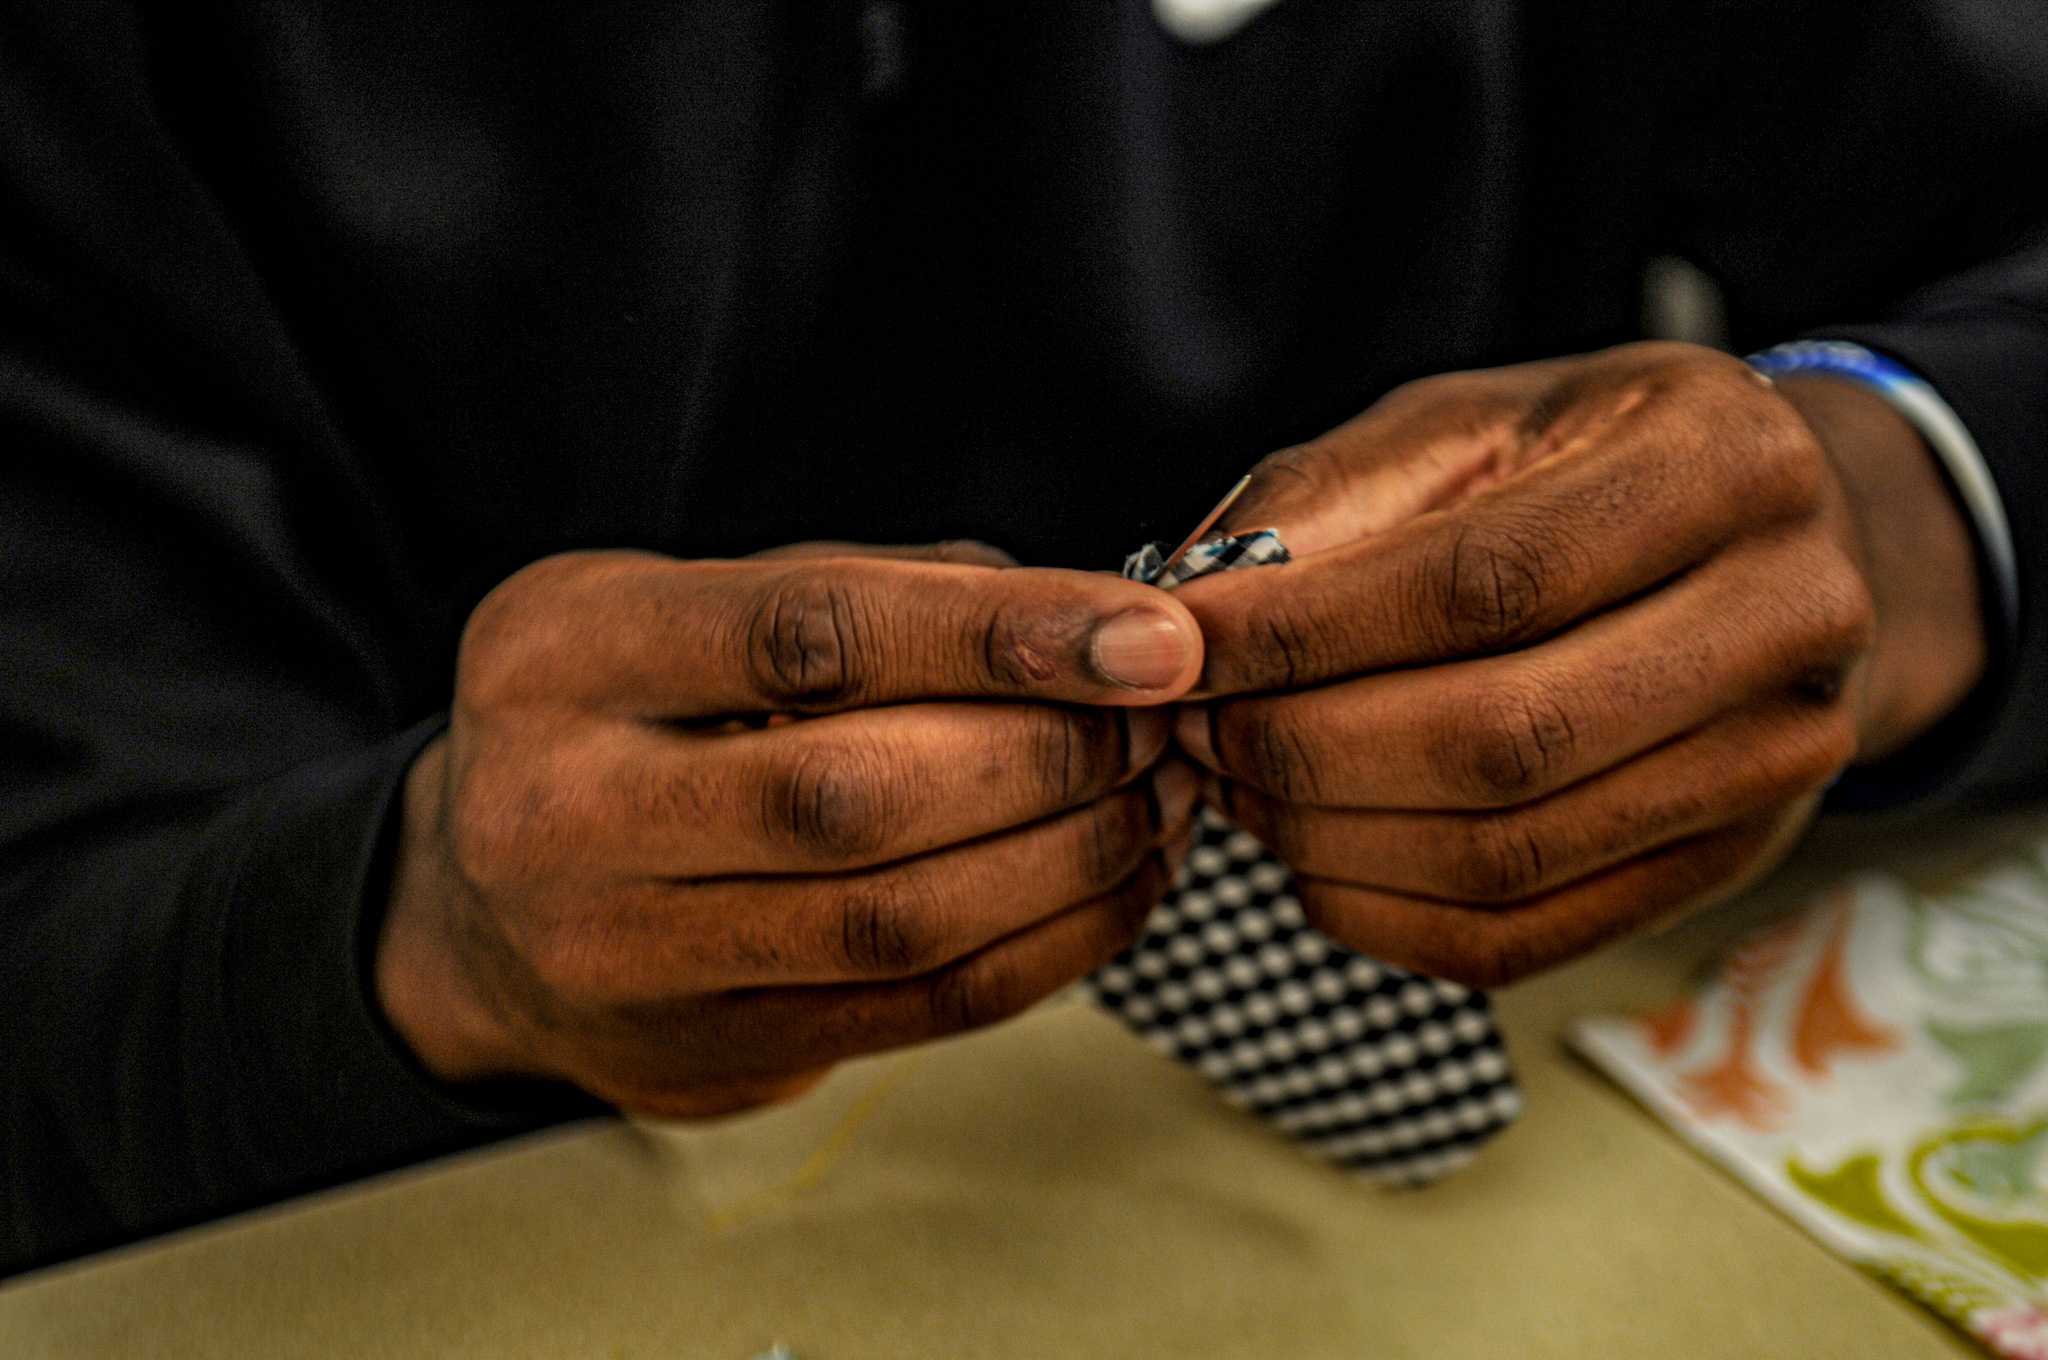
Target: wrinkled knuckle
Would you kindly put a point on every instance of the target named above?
(1275, 754)
(1294, 649)
(1491, 586)
(1308, 470)
(1502, 860)
(803, 642)
(1074, 752)
(1286, 643)
(889, 931)
(833, 803)
(1510, 747)
(1024, 650)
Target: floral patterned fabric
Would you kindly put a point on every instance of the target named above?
(1877, 1068)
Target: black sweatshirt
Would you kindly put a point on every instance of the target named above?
(318, 317)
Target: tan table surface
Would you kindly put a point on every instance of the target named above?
(1051, 1188)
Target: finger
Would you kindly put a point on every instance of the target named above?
(1498, 731)
(962, 551)
(1001, 981)
(1732, 771)
(1483, 947)
(638, 635)
(1417, 448)
(661, 1057)
(907, 919)
(1519, 561)
(830, 795)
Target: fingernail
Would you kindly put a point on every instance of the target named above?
(1174, 789)
(1191, 731)
(1141, 649)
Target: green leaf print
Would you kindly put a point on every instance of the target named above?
(1996, 1059)
(1854, 1191)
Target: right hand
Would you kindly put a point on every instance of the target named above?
(604, 879)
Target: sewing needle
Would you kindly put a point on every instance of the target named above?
(1208, 523)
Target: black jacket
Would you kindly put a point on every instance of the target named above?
(318, 317)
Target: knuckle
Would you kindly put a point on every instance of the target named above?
(1271, 751)
(1515, 743)
(519, 637)
(1074, 752)
(498, 650)
(1303, 472)
(1024, 649)
(803, 641)
(1292, 649)
(889, 931)
(1489, 586)
(1292, 640)
(1502, 860)
(833, 803)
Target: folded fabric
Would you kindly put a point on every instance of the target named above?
(1397, 1077)
(1877, 1068)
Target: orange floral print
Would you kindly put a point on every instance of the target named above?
(1829, 1022)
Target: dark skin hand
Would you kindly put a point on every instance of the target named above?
(1569, 648)
(626, 867)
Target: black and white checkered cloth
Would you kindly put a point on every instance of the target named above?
(1394, 1076)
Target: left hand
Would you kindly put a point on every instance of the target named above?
(1574, 645)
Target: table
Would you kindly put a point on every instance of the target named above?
(1050, 1188)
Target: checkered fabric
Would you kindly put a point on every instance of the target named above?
(1394, 1076)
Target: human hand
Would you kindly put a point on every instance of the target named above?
(614, 872)
(1574, 645)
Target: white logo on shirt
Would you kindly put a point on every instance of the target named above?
(1206, 21)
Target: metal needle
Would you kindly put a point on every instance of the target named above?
(1208, 522)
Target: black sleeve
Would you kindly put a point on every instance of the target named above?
(1874, 175)
(208, 698)
(1982, 342)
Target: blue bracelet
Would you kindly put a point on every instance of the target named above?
(1838, 357)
